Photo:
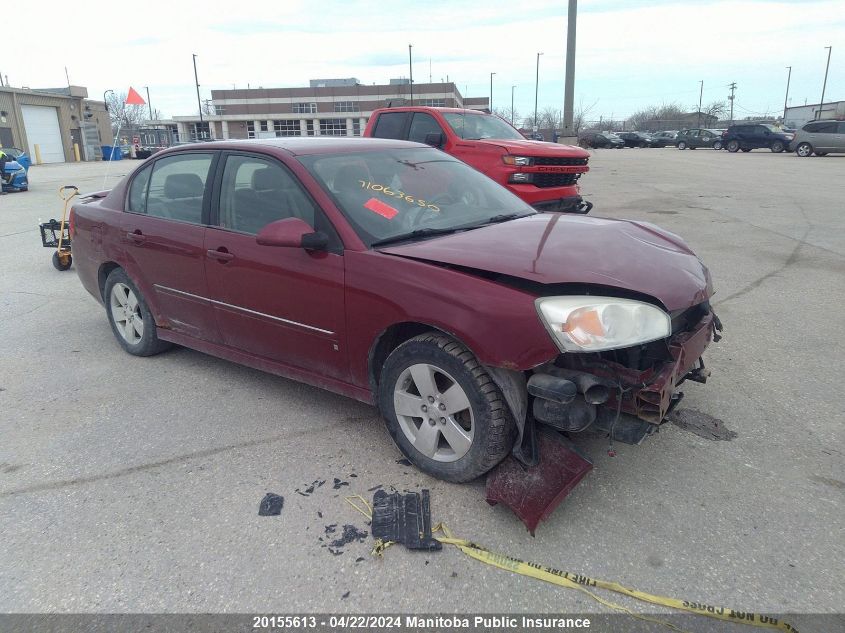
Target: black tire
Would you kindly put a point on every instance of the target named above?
(717, 145)
(148, 344)
(493, 428)
(804, 150)
(778, 147)
(682, 145)
(733, 146)
(57, 262)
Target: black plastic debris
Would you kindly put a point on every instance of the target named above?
(404, 518)
(271, 505)
(338, 484)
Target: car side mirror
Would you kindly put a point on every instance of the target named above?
(435, 139)
(292, 233)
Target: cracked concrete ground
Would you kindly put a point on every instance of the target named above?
(133, 485)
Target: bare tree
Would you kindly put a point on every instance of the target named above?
(579, 117)
(507, 115)
(123, 115)
(549, 118)
(716, 109)
(654, 118)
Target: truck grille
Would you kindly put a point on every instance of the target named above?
(555, 180)
(555, 160)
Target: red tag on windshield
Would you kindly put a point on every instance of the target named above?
(383, 209)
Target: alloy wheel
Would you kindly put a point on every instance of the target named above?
(126, 313)
(434, 412)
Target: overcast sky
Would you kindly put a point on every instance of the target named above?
(631, 53)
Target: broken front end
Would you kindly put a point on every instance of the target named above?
(624, 392)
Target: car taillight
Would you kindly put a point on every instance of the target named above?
(70, 219)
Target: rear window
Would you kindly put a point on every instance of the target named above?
(391, 125)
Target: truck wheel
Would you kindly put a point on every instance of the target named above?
(443, 410)
(777, 147)
(131, 321)
(733, 147)
(804, 150)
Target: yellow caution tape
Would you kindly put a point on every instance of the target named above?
(582, 582)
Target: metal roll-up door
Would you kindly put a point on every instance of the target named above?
(42, 129)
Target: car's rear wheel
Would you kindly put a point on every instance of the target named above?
(443, 410)
(717, 145)
(778, 147)
(733, 146)
(131, 321)
(682, 145)
(804, 150)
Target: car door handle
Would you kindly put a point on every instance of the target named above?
(220, 255)
(137, 237)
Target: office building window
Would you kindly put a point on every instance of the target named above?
(433, 103)
(345, 106)
(250, 129)
(333, 127)
(263, 125)
(304, 108)
(356, 127)
(289, 127)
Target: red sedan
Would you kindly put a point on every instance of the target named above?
(397, 275)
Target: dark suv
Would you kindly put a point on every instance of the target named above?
(600, 139)
(755, 136)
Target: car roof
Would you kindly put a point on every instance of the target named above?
(410, 108)
(305, 145)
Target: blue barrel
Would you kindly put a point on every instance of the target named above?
(108, 154)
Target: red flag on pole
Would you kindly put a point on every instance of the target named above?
(133, 98)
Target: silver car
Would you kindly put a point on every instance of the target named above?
(819, 137)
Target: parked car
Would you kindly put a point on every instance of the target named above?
(636, 139)
(819, 138)
(600, 140)
(698, 137)
(545, 175)
(14, 175)
(395, 274)
(750, 136)
(667, 136)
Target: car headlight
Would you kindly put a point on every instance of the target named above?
(592, 324)
(517, 161)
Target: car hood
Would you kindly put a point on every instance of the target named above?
(11, 165)
(555, 248)
(533, 148)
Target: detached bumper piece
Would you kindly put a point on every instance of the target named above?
(533, 492)
(572, 204)
(404, 519)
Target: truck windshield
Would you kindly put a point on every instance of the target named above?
(390, 194)
(478, 126)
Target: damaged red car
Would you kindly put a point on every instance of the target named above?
(397, 275)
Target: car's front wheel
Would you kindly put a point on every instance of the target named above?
(733, 146)
(131, 320)
(443, 410)
(804, 150)
(778, 147)
(682, 145)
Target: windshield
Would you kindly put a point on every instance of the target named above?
(389, 194)
(478, 126)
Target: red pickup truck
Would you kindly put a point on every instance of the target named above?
(545, 175)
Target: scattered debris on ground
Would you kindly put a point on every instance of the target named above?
(271, 505)
(404, 518)
(310, 488)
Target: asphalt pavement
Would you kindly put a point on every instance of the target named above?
(133, 484)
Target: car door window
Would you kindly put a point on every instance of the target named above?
(840, 127)
(391, 125)
(421, 125)
(136, 201)
(177, 187)
(256, 191)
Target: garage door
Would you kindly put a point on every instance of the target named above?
(42, 129)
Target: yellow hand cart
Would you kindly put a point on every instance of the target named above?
(55, 234)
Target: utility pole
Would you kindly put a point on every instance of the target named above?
(411, 72)
(786, 98)
(569, 86)
(149, 103)
(512, 87)
(536, 91)
(197, 81)
(700, 97)
(824, 85)
(731, 99)
(491, 91)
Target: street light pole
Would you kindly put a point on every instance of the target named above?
(824, 85)
(197, 81)
(411, 72)
(569, 83)
(149, 103)
(491, 91)
(786, 98)
(512, 87)
(106, 103)
(536, 91)
(700, 97)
